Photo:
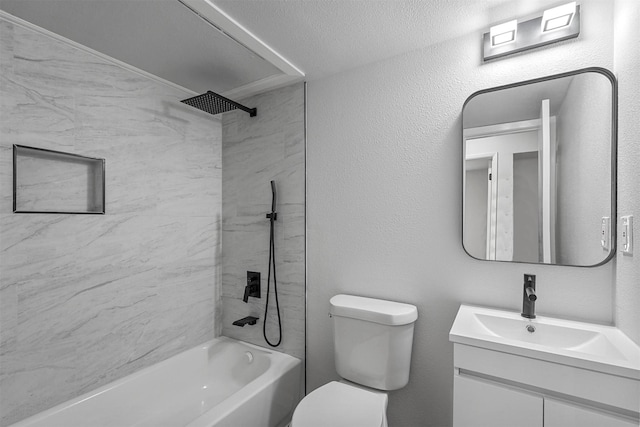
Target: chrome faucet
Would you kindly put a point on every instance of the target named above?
(529, 297)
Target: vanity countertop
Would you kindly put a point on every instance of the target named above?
(590, 346)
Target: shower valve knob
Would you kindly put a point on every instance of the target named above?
(252, 288)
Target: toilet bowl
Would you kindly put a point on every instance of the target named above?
(341, 405)
(372, 350)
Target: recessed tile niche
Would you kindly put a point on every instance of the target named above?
(47, 181)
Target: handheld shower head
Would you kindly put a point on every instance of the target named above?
(273, 215)
(273, 196)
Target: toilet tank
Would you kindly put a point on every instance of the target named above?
(372, 340)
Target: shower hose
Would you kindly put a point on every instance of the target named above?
(272, 262)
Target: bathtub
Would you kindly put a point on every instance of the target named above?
(221, 383)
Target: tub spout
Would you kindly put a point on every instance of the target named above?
(249, 320)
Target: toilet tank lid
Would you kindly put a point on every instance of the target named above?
(373, 310)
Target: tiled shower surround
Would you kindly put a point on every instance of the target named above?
(86, 299)
(256, 150)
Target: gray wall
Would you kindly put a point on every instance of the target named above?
(475, 225)
(256, 150)
(86, 299)
(626, 66)
(583, 161)
(526, 205)
(384, 202)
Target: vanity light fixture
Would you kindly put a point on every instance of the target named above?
(503, 33)
(553, 25)
(558, 17)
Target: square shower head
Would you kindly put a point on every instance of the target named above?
(213, 103)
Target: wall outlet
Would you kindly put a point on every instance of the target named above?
(627, 234)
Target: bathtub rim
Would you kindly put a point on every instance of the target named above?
(283, 363)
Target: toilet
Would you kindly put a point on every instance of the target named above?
(372, 350)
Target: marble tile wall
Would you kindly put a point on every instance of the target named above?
(254, 152)
(86, 299)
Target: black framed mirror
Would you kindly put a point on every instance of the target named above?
(539, 170)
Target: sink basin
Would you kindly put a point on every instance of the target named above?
(554, 336)
(596, 347)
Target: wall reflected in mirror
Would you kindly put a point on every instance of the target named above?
(539, 170)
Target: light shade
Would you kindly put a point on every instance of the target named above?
(558, 17)
(561, 23)
(503, 33)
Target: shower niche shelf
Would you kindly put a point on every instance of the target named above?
(47, 181)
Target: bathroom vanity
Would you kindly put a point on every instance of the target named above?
(512, 371)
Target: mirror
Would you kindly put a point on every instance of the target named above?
(539, 170)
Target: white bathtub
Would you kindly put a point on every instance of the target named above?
(221, 383)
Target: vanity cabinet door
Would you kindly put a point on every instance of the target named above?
(479, 403)
(563, 414)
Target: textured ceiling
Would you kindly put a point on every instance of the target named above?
(516, 104)
(321, 37)
(324, 37)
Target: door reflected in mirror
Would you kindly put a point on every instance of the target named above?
(539, 170)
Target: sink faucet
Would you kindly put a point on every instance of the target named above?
(529, 297)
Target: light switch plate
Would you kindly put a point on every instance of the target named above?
(605, 232)
(627, 234)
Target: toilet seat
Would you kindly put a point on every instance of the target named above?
(341, 405)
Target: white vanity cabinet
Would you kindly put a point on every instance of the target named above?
(497, 389)
(563, 414)
(542, 372)
(477, 402)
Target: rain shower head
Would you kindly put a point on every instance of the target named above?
(213, 103)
